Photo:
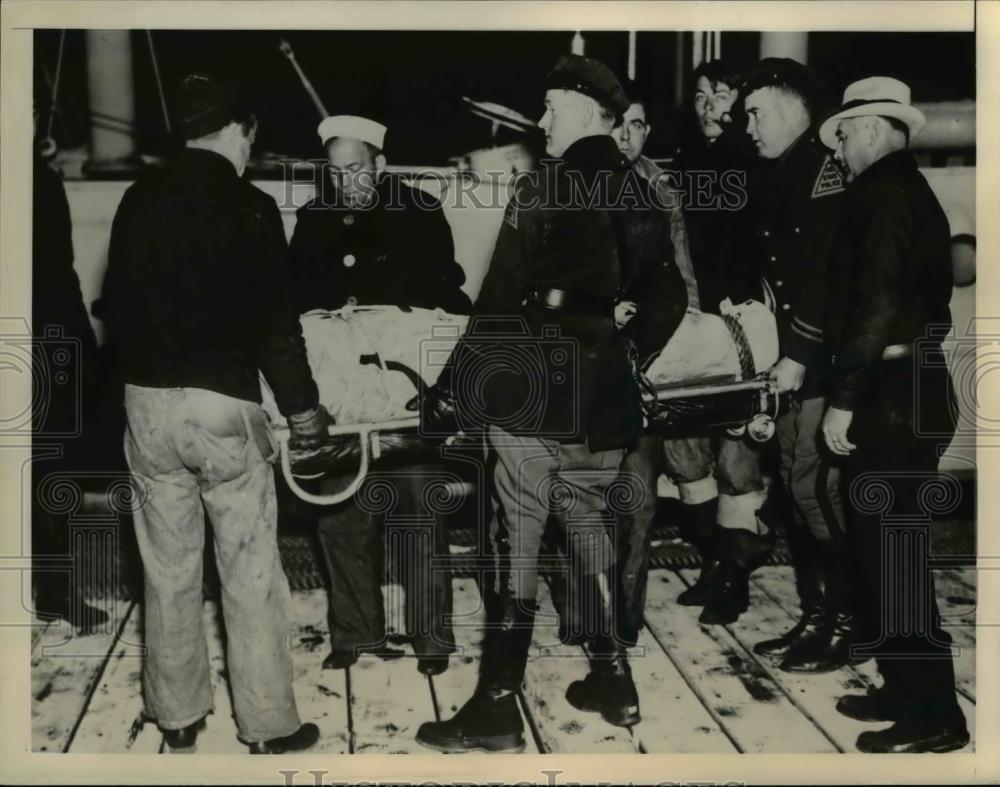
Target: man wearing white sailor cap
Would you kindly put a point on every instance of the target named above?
(367, 238)
(891, 409)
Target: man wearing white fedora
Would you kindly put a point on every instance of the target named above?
(891, 409)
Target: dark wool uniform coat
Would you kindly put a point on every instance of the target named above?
(396, 252)
(894, 276)
(564, 374)
(796, 203)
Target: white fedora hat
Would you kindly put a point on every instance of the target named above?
(883, 96)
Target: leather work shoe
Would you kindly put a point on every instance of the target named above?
(696, 595)
(729, 595)
(182, 741)
(829, 651)
(776, 649)
(432, 664)
(488, 722)
(873, 706)
(609, 692)
(303, 738)
(909, 736)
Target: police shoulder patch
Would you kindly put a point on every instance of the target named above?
(829, 181)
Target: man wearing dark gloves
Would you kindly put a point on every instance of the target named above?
(544, 367)
(198, 307)
(796, 195)
(891, 410)
(367, 238)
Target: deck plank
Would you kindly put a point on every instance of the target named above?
(64, 670)
(321, 695)
(778, 583)
(673, 719)
(742, 698)
(552, 666)
(114, 721)
(815, 695)
(389, 700)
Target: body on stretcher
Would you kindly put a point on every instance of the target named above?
(369, 362)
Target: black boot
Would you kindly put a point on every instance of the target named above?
(183, 741)
(490, 721)
(303, 738)
(728, 594)
(809, 586)
(812, 621)
(842, 629)
(740, 552)
(697, 594)
(608, 688)
(845, 633)
(702, 534)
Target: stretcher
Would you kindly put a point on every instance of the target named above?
(370, 362)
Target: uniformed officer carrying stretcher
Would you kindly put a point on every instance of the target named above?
(568, 243)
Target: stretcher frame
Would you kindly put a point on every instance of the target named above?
(766, 403)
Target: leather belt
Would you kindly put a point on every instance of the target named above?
(570, 302)
(890, 353)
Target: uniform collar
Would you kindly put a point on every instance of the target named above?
(596, 152)
(897, 161)
(803, 142)
(200, 158)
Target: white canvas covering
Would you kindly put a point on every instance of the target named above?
(421, 340)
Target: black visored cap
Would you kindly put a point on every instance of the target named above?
(203, 104)
(590, 77)
(787, 73)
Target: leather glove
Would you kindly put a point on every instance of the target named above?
(438, 411)
(309, 429)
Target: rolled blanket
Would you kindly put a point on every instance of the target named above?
(369, 361)
(736, 346)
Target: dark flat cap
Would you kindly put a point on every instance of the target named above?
(590, 77)
(787, 73)
(203, 104)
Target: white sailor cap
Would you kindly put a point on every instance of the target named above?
(353, 127)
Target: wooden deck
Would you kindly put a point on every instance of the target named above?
(701, 688)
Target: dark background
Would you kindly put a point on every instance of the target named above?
(414, 80)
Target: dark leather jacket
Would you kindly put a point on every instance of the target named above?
(587, 225)
(892, 281)
(196, 290)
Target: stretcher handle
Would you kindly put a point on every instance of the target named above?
(369, 444)
(672, 391)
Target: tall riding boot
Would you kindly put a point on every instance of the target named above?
(843, 625)
(808, 573)
(740, 552)
(608, 688)
(490, 721)
(703, 536)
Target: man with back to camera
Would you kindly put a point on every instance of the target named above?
(892, 409)
(796, 196)
(556, 270)
(367, 238)
(196, 300)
